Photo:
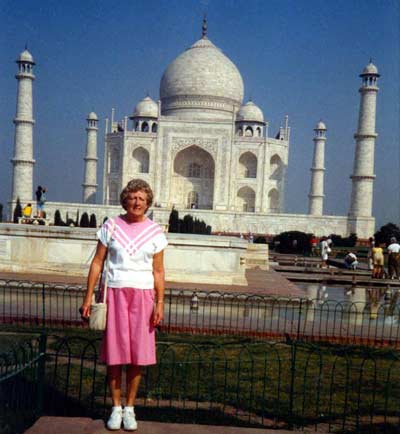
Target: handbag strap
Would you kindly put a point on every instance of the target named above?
(108, 264)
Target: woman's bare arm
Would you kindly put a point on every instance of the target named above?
(159, 286)
(96, 268)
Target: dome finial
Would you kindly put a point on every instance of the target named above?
(204, 27)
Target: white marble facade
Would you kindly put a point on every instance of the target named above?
(200, 147)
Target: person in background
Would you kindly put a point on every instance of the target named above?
(42, 202)
(324, 250)
(27, 211)
(394, 258)
(378, 261)
(350, 261)
(38, 195)
(371, 245)
(313, 245)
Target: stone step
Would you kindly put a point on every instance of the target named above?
(81, 425)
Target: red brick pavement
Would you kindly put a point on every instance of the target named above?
(258, 282)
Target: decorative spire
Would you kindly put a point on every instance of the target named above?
(204, 27)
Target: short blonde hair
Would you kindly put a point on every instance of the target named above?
(133, 186)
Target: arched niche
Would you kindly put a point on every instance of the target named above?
(246, 199)
(273, 200)
(113, 198)
(145, 127)
(248, 165)
(114, 160)
(192, 200)
(276, 168)
(141, 159)
(193, 171)
(249, 132)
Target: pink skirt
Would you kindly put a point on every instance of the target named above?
(129, 338)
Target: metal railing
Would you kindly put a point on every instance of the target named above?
(373, 323)
(21, 382)
(259, 384)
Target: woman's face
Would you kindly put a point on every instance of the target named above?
(136, 204)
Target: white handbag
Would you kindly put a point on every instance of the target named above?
(98, 311)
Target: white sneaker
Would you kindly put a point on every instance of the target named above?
(115, 420)
(129, 418)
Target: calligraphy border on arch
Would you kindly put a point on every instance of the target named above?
(180, 143)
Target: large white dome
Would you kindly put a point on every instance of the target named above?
(201, 82)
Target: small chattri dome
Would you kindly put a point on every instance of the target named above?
(370, 69)
(146, 108)
(250, 112)
(92, 117)
(25, 56)
(320, 126)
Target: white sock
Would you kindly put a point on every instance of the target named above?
(117, 407)
(129, 407)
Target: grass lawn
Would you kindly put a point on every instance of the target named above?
(255, 383)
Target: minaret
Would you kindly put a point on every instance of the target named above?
(22, 184)
(90, 179)
(316, 195)
(363, 169)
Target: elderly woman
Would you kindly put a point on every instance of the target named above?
(135, 295)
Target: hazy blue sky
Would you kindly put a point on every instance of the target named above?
(300, 58)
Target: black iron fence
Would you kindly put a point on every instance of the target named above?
(374, 322)
(21, 381)
(260, 384)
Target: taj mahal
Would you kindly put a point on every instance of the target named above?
(205, 152)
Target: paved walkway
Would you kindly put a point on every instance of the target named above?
(80, 425)
(258, 282)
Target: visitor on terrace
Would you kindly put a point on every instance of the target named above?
(350, 261)
(135, 296)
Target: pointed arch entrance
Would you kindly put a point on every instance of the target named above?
(246, 200)
(193, 178)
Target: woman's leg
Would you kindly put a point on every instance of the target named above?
(396, 264)
(133, 377)
(114, 383)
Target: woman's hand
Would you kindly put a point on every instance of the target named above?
(158, 314)
(84, 310)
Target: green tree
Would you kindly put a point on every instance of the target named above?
(293, 242)
(58, 221)
(339, 241)
(84, 223)
(187, 224)
(93, 221)
(77, 218)
(69, 221)
(386, 232)
(173, 223)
